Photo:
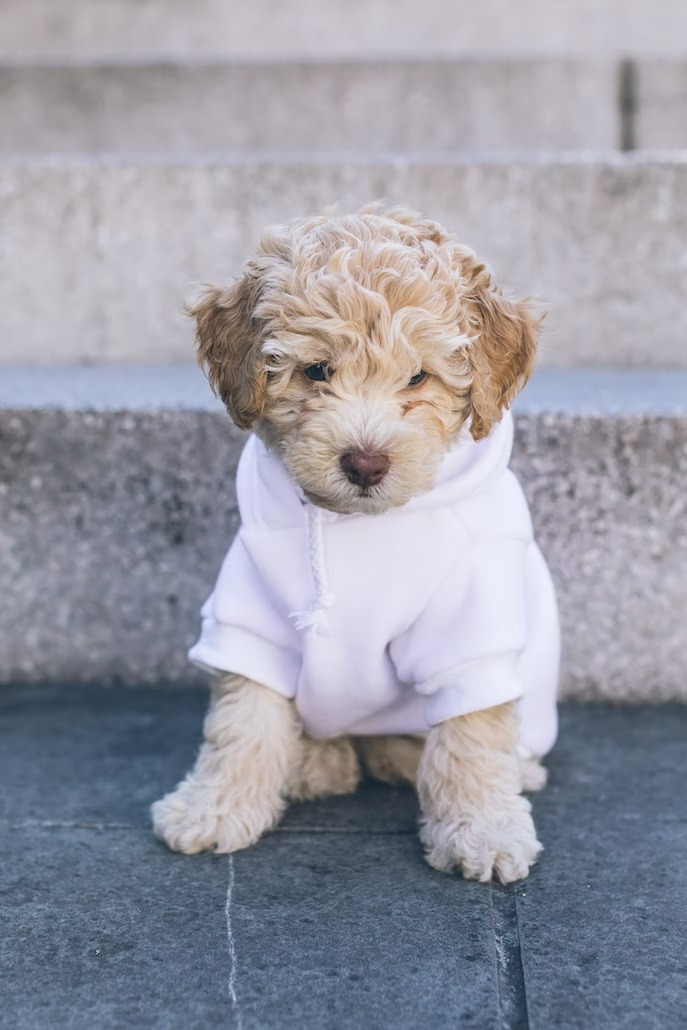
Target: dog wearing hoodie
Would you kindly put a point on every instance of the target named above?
(384, 608)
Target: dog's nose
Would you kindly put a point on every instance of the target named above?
(365, 468)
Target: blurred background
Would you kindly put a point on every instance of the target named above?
(146, 143)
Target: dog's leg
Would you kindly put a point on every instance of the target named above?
(392, 760)
(237, 788)
(533, 775)
(324, 769)
(469, 784)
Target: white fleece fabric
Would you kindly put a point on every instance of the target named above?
(391, 623)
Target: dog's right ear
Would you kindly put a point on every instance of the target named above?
(229, 339)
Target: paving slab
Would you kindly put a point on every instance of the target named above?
(131, 746)
(368, 935)
(104, 929)
(603, 918)
(335, 921)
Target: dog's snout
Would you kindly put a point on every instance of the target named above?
(365, 468)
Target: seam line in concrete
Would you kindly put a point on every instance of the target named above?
(64, 824)
(344, 831)
(627, 105)
(85, 824)
(510, 977)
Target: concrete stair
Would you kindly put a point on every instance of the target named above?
(117, 505)
(81, 29)
(462, 103)
(99, 255)
(342, 105)
(144, 148)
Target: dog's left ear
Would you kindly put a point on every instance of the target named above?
(503, 348)
(229, 341)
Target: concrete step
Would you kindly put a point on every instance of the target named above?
(359, 932)
(98, 256)
(660, 88)
(117, 505)
(487, 104)
(373, 105)
(85, 30)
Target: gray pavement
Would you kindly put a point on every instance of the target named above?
(334, 920)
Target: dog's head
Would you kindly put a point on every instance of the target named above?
(358, 346)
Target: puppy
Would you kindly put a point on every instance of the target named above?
(384, 607)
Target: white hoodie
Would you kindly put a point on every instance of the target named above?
(390, 623)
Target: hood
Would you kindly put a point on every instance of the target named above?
(269, 499)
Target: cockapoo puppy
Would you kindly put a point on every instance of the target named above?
(384, 606)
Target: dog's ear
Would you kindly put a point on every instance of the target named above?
(229, 339)
(503, 348)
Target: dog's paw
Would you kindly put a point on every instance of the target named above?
(501, 843)
(198, 816)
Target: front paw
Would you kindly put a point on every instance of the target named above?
(198, 816)
(501, 843)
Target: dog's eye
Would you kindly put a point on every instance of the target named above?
(318, 373)
(417, 379)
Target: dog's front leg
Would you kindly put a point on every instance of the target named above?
(237, 788)
(469, 785)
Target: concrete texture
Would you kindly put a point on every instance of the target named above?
(372, 106)
(114, 520)
(661, 92)
(81, 30)
(602, 920)
(334, 920)
(97, 257)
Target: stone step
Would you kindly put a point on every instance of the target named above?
(660, 89)
(83, 30)
(117, 505)
(373, 106)
(478, 104)
(98, 256)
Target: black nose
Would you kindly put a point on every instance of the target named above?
(365, 468)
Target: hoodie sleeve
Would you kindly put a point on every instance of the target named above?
(462, 651)
(242, 630)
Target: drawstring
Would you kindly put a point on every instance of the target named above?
(316, 621)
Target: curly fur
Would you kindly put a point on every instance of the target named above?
(374, 298)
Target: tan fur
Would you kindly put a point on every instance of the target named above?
(474, 817)
(533, 775)
(237, 789)
(393, 760)
(229, 339)
(503, 358)
(374, 298)
(324, 769)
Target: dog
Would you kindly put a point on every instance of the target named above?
(384, 608)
